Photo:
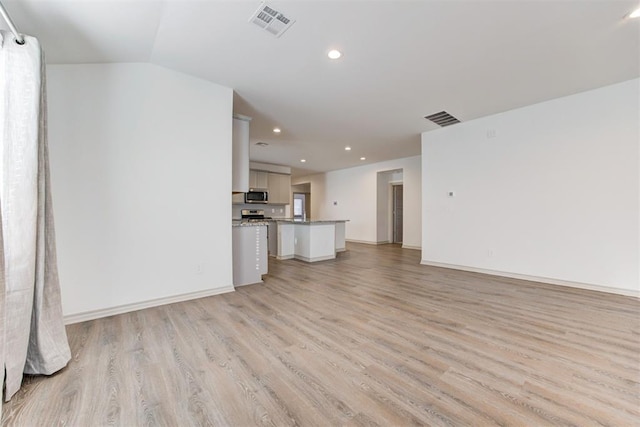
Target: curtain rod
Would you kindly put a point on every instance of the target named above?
(12, 27)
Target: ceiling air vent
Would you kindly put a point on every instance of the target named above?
(271, 20)
(442, 119)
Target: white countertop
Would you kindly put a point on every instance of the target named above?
(242, 223)
(308, 221)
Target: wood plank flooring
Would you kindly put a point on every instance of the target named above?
(371, 338)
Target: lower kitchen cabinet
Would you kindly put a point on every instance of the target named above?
(249, 254)
(272, 234)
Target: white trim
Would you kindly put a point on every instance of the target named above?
(105, 312)
(547, 280)
(268, 167)
(367, 242)
(417, 248)
(283, 257)
(249, 284)
(319, 258)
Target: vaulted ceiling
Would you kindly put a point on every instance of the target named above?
(402, 60)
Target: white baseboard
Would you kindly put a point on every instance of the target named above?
(319, 258)
(126, 308)
(283, 257)
(383, 242)
(367, 242)
(249, 284)
(417, 248)
(547, 280)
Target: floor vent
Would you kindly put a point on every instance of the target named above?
(271, 20)
(442, 119)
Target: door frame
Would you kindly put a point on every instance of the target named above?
(392, 216)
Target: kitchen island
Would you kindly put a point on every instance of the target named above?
(306, 240)
(249, 252)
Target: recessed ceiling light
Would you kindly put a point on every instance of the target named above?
(635, 13)
(334, 54)
(276, 130)
(303, 160)
(347, 148)
(363, 158)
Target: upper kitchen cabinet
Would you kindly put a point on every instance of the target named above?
(279, 189)
(275, 179)
(240, 167)
(258, 180)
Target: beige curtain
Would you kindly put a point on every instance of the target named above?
(34, 340)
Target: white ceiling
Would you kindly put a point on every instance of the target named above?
(402, 60)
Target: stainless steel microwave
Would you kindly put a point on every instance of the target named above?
(255, 196)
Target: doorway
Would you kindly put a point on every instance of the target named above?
(389, 202)
(300, 206)
(396, 203)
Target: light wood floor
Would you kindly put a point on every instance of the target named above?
(372, 338)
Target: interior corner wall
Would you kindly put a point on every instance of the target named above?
(549, 191)
(354, 191)
(141, 179)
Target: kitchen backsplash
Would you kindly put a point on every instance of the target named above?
(269, 210)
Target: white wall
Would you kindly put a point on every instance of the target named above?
(141, 175)
(554, 194)
(355, 190)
